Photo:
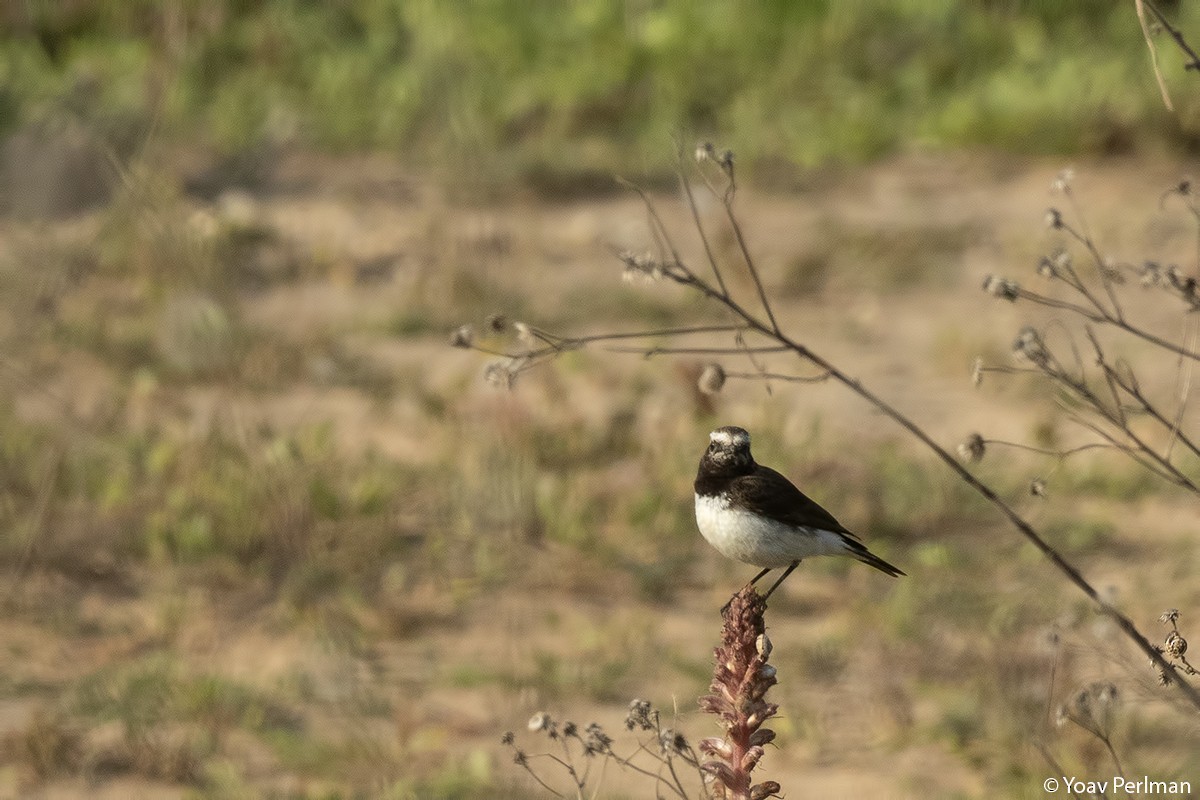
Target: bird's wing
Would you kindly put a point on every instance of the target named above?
(776, 497)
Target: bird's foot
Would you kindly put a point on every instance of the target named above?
(729, 602)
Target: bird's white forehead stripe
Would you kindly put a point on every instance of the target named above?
(730, 438)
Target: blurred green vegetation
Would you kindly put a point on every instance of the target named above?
(542, 90)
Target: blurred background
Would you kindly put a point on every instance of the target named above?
(264, 533)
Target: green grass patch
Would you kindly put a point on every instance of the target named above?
(504, 91)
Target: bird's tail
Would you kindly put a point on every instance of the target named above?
(860, 551)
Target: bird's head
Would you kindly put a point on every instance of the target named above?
(729, 450)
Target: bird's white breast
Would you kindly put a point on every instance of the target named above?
(758, 540)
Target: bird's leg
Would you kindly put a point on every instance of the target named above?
(753, 581)
(782, 577)
(757, 577)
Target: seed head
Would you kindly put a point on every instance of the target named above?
(540, 721)
(500, 374)
(462, 337)
(1029, 345)
(641, 267)
(1175, 645)
(1037, 487)
(1092, 708)
(671, 742)
(524, 333)
(1054, 219)
(977, 371)
(712, 378)
(640, 715)
(1169, 617)
(1152, 274)
(972, 449)
(496, 323)
(1003, 288)
(705, 152)
(1062, 181)
(1055, 264)
(595, 740)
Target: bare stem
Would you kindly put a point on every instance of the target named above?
(1193, 60)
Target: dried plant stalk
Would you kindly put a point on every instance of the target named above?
(739, 687)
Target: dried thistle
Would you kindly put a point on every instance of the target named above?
(641, 715)
(1030, 346)
(1004, 288)
(580, 755)
(1055, 265)
(740, 682)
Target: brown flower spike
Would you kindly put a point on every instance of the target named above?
(740, 682)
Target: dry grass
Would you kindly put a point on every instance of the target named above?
(269, 534)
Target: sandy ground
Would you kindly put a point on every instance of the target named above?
(909, 330)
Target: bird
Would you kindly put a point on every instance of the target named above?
(755, 515)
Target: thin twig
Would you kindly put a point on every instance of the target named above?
(1054, 765)
(749, 259)
(779, 376)
(1184, 383)
(1193, 60)
(1085, 237)
(696, 351)
(1158, 76)
(708, 253)
(1047, 451)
